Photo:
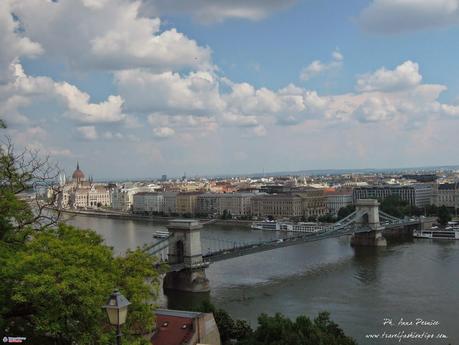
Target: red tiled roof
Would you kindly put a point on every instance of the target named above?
(172, 330)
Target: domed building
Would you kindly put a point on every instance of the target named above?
(78, 175)
(82, 193)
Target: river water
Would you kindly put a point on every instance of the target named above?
(415, 280)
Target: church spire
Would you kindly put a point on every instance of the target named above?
(78, 165)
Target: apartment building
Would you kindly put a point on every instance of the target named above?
(237, 204)
(277, 205)
(186, 203)
(418, 195)
(446, 194)
(148, 202)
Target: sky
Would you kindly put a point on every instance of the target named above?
(141, 88)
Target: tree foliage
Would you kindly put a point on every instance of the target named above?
(443, 215)
(278, 329)
(54, 287)
(343, 212)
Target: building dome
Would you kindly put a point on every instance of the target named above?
(78, 175)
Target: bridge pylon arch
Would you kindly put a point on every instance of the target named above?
(368, 225)
(185, 258)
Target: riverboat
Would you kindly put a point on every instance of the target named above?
(287, 226)
(449, 233)
(161, 234)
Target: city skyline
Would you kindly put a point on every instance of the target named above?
(141, 89)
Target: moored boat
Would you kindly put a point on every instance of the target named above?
(448, 233)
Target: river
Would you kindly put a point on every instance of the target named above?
(415, 280)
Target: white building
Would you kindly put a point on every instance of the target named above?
(80, 193)
(446, 194)
(337, 200)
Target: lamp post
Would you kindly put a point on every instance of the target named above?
(117, 307)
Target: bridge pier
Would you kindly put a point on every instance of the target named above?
(369, 219)
(185, 258)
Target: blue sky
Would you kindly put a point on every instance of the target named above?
(144, 88)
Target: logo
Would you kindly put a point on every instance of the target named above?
(16, 340)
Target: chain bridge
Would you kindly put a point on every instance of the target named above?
(182, 249)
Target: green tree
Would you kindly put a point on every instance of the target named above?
(444, 215)
(343, 212)
(279, 330)
(228, 328)
(54, 287)
(328, 218)
(227, 214)
(396, 207)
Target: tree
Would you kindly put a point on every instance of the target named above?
(395, 206)
(343, 212)
(227, 214)
(53, 289)
(19, 173)
(328, 218)
(443, 215)
(279, 330)
(228, 328)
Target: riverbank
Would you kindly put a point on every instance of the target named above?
(153, 219)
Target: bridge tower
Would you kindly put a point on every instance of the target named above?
(368, 211)
(185, 258)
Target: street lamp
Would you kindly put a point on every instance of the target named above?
(117, 307)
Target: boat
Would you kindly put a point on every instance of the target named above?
(449, 233)
(287, 226)
(161, 234)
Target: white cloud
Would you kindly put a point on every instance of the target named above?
(239, 120)
(395, 16)
(317, 67)
(83, 111)
(109, 35)
(209, 11)
(13, 44)
(163, 132)
(87, 132)
(404, 76)
(196, 93)
(23, 90)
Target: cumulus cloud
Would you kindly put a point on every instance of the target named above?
(87, 132)
(108, 35)
(23, 89)
(395, 16)
(209, 11)
(317, 67)
(144, 91)
(402, 77)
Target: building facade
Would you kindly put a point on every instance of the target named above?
(207, 204)
(148, 202)
(169, 202)
(186, 203)
(338, 200)
(277, 206)
(446, 194)
(419, 195)
(237, 204)
(314, 202)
